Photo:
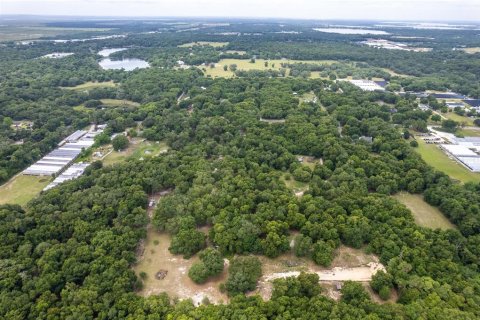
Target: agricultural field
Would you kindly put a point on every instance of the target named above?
(204, 43)
(17, 33)
(259, 64)
(435, 157)
(424, 214)
(137, 149)
(92, 85)
(21, 189)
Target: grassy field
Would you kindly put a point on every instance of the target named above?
(246, 65)
(21, 189)
(137, 149)
(91, 85)
(424, 214)
(118, 103)
(439, 160)
(468, 132)
(455, 117)
(204, 43)
(12, 33)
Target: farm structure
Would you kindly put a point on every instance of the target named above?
(73, 172)
(59, 159)
(465, 152)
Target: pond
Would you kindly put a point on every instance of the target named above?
(125, 64)
(107, 52)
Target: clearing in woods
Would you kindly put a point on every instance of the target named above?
(92, 85)
(21, 189)
(259, 64)
(118, 103)
(156, 257)
(204, 43)
(348, 264)
(424, 214)
(137, 149)
(471, 50)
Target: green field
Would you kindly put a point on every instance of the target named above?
(118, 103)
(21, 189)
(246, 65)
(204, 43)
(424, 214)
(466, 132)
(439, 160)
(460, 119)
(136, 150)
(91, 85)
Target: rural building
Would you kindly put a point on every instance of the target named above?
(69, 149)
(73, 172)
(464, 154)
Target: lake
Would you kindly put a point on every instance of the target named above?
(350, 31)
(125, 64)
(107, 52)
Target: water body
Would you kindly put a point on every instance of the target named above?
(89, 39)
(350, 31)
(107, 52)
(125, 64)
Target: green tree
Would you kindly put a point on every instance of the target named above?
(120, 142)
(243, 274)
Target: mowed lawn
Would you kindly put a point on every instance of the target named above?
(136, 150)
(204, 43)
(435, 157)
(424, 214)
(92, 85)
(21, 189)
(246, 65)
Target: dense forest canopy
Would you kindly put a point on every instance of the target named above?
(68, 253)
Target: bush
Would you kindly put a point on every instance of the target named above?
(384, 293)
(187, 242)
(322, 253)
(198, 273)
(211, 264)
(414, 144)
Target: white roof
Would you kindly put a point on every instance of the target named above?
(459, 150)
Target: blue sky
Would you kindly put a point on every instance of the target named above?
(420, 10)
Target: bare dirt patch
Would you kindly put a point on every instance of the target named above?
(349, 264)
(175, 282)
